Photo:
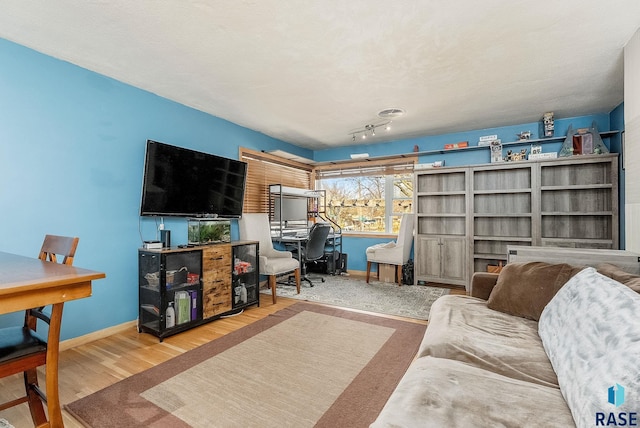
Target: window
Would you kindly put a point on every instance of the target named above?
(367, 197)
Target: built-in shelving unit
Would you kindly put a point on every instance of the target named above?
(567, 202)
(441, 201)
(503, 211)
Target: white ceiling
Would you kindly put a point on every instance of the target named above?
(309, 72)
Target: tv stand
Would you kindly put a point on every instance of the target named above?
(186, 286)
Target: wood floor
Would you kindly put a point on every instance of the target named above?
(90, 367)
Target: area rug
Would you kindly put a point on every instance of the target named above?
(306, 365)
(411, 301)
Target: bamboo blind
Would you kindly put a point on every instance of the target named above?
(264, 169)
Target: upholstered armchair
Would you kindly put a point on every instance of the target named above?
(395, 252)
(273, 263)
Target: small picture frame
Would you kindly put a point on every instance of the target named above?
(536, 150)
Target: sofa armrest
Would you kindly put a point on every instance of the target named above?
(482, 283)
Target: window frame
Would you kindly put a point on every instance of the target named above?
(389, 167)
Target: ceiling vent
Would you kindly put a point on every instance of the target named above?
(390, 113)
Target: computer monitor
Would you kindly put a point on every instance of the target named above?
(290, 209)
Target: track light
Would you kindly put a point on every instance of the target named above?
(369, 129)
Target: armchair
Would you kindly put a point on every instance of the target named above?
(394, 252)
(273, 263)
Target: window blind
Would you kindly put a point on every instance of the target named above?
(264, 169)
(402, 165)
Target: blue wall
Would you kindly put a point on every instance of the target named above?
(71, 158)
(458, 158)
(355, 247)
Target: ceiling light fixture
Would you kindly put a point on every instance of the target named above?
(370, 129)
(390, 113)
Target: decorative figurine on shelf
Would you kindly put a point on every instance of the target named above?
(509, 156)
(524, 135)
(547, 125)
(496, 151)
(514, 157)
(523, 154)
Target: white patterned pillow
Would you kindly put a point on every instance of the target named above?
(591, 332)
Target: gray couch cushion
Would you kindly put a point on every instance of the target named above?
(437, 392)
(463, 328)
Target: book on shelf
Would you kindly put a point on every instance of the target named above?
(456, 145)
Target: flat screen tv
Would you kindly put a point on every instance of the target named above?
(187, 183)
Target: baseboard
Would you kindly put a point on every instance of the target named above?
(100, 334)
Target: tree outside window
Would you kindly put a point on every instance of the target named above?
(368, 203)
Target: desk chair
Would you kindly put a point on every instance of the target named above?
(395, 252)
(22, 349)
(273, 263)
(314, 248)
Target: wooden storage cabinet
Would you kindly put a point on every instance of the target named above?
(579, 203)
(441, 203)
(216, 280)
(473, 214)
(503, 210)
(446, 261)
(206, 274)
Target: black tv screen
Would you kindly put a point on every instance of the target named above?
(187, 183)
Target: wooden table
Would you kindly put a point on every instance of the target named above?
(26, 283)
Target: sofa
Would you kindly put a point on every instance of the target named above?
(537, 345)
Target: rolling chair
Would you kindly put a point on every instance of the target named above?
(313, 249)
(22, 349)
(273, 263)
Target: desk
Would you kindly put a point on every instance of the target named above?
(334, 243)
(27, 283)
(293, 239)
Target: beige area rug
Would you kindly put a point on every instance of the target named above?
(306, 365)
(411, 301)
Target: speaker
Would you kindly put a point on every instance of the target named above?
(165, 237)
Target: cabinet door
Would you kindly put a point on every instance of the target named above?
(429, 262)
(245, 275)
(216, 280)
(453, 251)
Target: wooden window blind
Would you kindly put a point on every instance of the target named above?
(264, 169)
(391, 166)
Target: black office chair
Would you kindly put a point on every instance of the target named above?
(314, 249)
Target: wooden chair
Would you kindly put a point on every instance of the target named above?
(22, 350)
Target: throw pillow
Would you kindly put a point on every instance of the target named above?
(614, 272)
(590, 334)
(524, 289)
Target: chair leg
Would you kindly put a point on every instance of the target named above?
(297, 275)
(35, 402)
(272, 285)
(368, 270)
(399, 274)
